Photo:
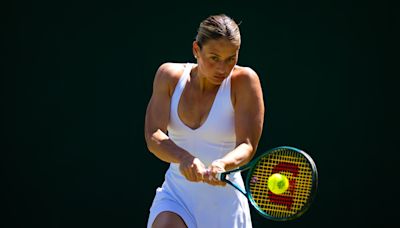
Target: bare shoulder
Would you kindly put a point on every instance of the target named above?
(246, 86)
(246, 89)
(170, 70)
(168, 75)
(243, 77)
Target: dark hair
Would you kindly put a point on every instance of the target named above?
(216, 27)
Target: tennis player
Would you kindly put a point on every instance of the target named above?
(204, 118)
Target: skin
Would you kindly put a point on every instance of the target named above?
(167, 219)
(215, 60)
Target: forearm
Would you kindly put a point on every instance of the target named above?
(165, 149)
(241, 155)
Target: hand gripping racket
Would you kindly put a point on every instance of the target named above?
(296, 165)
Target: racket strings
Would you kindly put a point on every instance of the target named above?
(299, 173)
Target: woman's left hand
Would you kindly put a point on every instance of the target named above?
(216, 166)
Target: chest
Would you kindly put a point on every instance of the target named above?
(194, 107)
(209, 117)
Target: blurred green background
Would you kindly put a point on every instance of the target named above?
(77, 76)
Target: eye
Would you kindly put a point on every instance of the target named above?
(214, 58)
(231, 60)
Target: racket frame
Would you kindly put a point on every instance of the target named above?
(252, 165)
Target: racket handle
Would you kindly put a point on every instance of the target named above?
(218, 176)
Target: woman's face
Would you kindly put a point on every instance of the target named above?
(216, 59)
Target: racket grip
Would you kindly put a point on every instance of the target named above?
(218, 176)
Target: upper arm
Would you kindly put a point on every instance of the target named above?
(249, 108)
(158, 109)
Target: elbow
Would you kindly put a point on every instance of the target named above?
(251, 151)
(154, 140)
(149, 142)
(247, 151)
(151, 147)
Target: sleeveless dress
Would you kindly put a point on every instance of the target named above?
(201, 205)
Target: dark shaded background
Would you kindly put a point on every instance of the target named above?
(76, 79)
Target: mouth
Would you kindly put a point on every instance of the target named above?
(220, 76)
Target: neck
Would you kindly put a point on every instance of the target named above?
(201, 82)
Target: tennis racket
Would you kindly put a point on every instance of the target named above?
(296, 165)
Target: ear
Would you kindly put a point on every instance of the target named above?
(196, 49)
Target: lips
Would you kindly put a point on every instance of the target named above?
(220, 76)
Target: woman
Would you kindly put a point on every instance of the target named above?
(213, 112)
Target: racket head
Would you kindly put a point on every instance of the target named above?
(302, 174)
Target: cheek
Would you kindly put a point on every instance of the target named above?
(231, 65)
(208, 65)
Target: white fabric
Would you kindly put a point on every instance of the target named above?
(201, 205)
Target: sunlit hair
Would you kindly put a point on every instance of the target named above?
(216, 27)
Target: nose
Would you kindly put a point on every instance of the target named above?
(222, 67)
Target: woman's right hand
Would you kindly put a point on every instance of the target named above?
(192, 168)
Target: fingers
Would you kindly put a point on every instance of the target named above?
(210, 177)
(190, 174)
(193, 170)
(197, 174)
(213, 181)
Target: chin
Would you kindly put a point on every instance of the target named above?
(217, 81)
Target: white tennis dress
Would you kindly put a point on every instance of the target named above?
(199, 204)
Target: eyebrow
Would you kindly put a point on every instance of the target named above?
(220, 56)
